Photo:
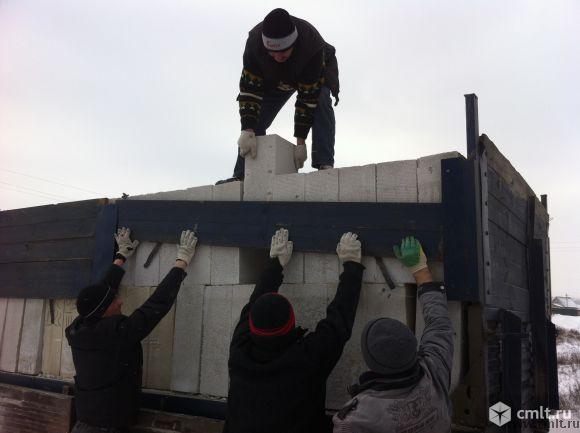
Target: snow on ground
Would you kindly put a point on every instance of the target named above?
(568, 349)
(566, 322)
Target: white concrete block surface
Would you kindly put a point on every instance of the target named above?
(198, 193)
(217, 325)
(397, 181)
(160, 343)
(237, 265)
(321, 185)
(30, 357)
(275, 156)
(357, 184)
(11, 336)
(148, 276)
(186, 359)
(198, 271)
(231, 191)
(67, 367)
(52, 338)
(321, 268)
(309, 302)
(429, 177)
(289, 187)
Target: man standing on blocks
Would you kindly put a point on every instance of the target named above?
(405, 390)
(106, 345)
(278, 372)
(284, 54)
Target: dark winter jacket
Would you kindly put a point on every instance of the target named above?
(312, 64)
(284, 390)
(108, 357)
(418, 401)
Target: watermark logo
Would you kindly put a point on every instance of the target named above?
(500, 414)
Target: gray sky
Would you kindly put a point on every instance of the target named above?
(139, 96)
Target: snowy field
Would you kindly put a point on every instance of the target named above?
(568, 349)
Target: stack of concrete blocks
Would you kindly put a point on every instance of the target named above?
(188, 351)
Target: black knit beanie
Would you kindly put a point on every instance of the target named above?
(278, 31)
(388, 346)
(271, 316)
(93, 300)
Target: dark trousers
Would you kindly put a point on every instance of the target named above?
(323, 128)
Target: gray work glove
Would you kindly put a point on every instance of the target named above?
(248, 144)
(186, 248)
(349, 248)
(126, 246)
(300, 155)
(281, 247)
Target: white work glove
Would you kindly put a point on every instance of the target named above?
(300, 155)
(248, 144)
(126, 246)
(281, 247)
(349, 249)
(186, 248)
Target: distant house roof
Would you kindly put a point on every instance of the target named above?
(566, 302)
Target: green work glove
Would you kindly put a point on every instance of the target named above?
(411, 254)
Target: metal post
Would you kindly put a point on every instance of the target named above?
(472, 125)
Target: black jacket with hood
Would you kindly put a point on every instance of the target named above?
(108, 357)
(283, 389)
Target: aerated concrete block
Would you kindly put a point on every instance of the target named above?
(30, 357)
(321, 268)
(146, 276)
(429, 177)
(397, 181)
(52, 338)
(290, 187)
(231, 191)
(67, 367)
(236, 265)
(375, 301)
(198, 271)
(11, 337)
(198, 193)
(133, 298)
(185, 363)
(357, 184)
(217, 326)
(160, 352)
(321, 185)
(240, 297)
(275, 156)
(309, 302)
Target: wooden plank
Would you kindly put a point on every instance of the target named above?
(104, 248)
(503, 217)
(11, 336)
(25, 410)
(503, 192)
(315, 227)
(44, 279)
(44, 251)
(52, 339)
(30, 357)
(79, 228)
(51, 213)
(3, 305)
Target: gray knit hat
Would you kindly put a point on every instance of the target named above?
(388, 346)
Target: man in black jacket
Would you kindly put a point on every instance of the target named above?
(278, 372)
(106, 345)
(284, 54)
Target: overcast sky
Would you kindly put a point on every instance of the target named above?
(139, 96)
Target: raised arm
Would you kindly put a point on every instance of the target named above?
(331, 334)
(144, 319)
(271, 278)
(437, 339)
